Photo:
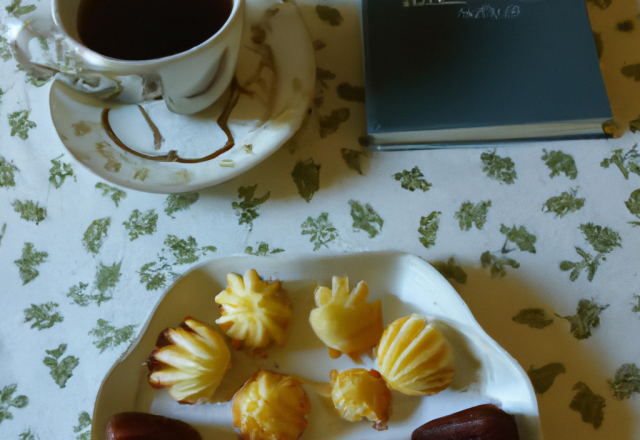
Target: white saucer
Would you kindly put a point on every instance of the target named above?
(276, 78)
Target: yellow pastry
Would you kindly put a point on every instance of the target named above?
(358, 393)
(190, 361)
(270, 406)
(254, 312)
(414, 357)
(344, 321)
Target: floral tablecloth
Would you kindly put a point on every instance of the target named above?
(541, 240)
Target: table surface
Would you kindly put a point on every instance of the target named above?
(545, 234)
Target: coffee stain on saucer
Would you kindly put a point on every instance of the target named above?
(157, 137)
(112, 163)
(81, 128)
(172, 156)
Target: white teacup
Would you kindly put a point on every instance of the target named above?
(188, 81)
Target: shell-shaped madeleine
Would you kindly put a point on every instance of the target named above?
(270, 406)
(254, 312)
(358, 393)
(191, 360)
(344, 321)
(414, 357)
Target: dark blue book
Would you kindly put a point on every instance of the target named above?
(474, 72)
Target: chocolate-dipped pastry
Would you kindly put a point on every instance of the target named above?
(143, 426)
(482, 422)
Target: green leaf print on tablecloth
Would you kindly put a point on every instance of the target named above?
(7, 401)
(140, 224)
(27, 264)
(352, 159)
(186, 251)
(628, 162)
(328, 14)
(262, 250)
(306, 176)
(61, 371)
(428, 229)
(247, 209)
(497, 264)
(626, 382)
(33, 80)
(542, 378)
(95, 234)
(588, 404)
(5, 49)
(520, 237)
(83, 429)
(16, 9)
(20, 124)
(559, 162)
(43, 316)
(28, 435)
(365, 218)
(631, 71)
(7, 173)
(633, 205)
(114, 193)
(470, 214)
(450, 270)
(634, 125)
(3, 229)
(179, 202)
(602, 4)
(321, 230)
(30, 211)
(533, 317)
(351, 93)
(587, 317)
(564, 203)
(76, 293)
(322, 76)
(499, 168)
(636, 304)
(329, 124)
(154, 274)
(59, 172)
(105, 282)
(603, 240)
(412, 180)
(109, 337)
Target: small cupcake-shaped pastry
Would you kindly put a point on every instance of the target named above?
(344, 321)
(270, 406)
(358, 393)
(190, 361)
(414, 357)
(254, 312)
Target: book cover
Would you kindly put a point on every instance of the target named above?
(480, 70)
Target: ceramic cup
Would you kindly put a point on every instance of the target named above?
(189, 81)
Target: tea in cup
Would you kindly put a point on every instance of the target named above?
(133, 51)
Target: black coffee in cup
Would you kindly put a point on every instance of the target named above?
(149, 29)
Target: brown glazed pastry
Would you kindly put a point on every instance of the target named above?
(143, 426)
(483, 422)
